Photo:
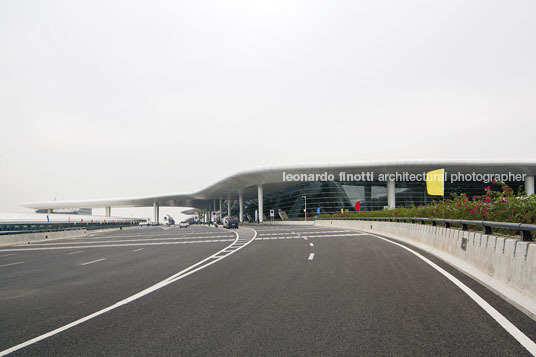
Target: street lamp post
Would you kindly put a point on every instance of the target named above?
(305, 209)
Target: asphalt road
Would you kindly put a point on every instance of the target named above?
(275, 291)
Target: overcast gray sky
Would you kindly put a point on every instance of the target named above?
(130, 98)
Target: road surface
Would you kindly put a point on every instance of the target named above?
(255, 291)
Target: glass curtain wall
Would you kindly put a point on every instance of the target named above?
(331, 197)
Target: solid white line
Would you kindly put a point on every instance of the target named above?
(182, 274)
(311, 244)
(94, 261)
(496, 315)
(116, 241)
(118, 245)
(78, 251)
(7, 255)
(6, 265)
(311, 256)
(137, 250)
(175, 234)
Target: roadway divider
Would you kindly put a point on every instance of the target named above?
(27, 238)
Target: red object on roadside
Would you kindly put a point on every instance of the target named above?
(358, 206)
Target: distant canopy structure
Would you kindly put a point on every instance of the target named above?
(80, 211)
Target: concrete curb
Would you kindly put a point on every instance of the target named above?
(27, 238)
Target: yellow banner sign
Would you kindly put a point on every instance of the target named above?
(435, 182)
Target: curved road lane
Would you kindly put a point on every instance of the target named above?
(359, 295)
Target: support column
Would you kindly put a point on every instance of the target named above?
(391, 194)
(213, 218)
(49, 211)
(108, 211)
(368, 197)
(229, 205)
(241, 204)
(529, 185)
(221, 209)
(156, 210)
(260, 203)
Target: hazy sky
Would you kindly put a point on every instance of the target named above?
(129, 98)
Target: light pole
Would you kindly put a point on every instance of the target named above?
(305, 209)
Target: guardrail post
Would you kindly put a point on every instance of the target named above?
(447, 224)
(464, 226)
(487, 230)
(526, 236)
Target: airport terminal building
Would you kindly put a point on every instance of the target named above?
(292, 191)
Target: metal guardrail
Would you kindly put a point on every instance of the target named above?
(39, 231)
(488, 226)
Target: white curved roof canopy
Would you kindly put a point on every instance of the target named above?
(272, 180)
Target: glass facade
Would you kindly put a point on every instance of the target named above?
(332, 196)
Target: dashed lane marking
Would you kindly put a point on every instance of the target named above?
(93, 261)
(6, 265)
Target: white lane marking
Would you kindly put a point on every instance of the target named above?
(117, 245)
(6, 265)
(296, 233)
(315, 236)
(182, 274)
(137, 250)
(496, 315)
(160, 234)
(311, 245)
(78, 251)
(115, 241)
(94, 261)
(311, 256)
(7, 255)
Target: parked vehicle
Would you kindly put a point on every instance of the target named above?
(230, 223)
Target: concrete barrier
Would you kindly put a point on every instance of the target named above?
(505, 265)
(25, 238)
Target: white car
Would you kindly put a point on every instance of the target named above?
(184, 225)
